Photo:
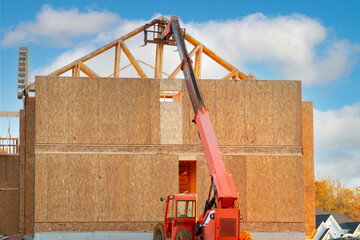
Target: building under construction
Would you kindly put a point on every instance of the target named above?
(98, 152)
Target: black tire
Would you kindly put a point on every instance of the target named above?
(184, 234)
(159, 232)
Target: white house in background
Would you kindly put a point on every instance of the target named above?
(333, 225)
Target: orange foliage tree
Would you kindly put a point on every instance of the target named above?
(332, 195)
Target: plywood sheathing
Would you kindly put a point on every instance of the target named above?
(29, 164)
(309, 178)
(236, 166)
(9, 208)
(287, 114)
(260, 189)
(288, 184)
(22, 172)
(171, 122)
(113, 173)
(92, 188)
(9, 192)
(62, 114)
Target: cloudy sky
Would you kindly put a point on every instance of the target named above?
(317, 42)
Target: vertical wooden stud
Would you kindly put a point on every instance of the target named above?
(198, 60)
(117, 59)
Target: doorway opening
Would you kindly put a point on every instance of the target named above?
(187, 177)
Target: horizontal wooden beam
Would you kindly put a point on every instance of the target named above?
(12, 114)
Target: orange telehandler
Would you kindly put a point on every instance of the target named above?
(220, 218)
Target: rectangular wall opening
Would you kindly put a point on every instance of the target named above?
(187, 177)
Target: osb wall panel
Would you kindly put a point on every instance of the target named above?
(58, 188)
(41, 188)
(236, 166)
(308, 149)
(260, 189)
(9, 168)
(230, 121)
(22, 171)
(171, 122)
(112, 111)
(289, 185)
(287, 113)
(259, 114)
(129, 111)
(9, 212)
(187, 113)
(171, 84)
(83, 110)
(140, 187)
(52, 107)
(83, 187)
(203, 183)
(155, 111)
(29, 162)
(165, 168)
(113, 188)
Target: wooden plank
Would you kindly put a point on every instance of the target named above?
(11, 114)
(187, 111)
(159, 60)
(113, 176)
(132, 60)
(289, 189)
(308, 155)
(83, 102)
(287, 113)
(76, 72)
(229, 75)
(58, 188)
(42, 109)
(259, 112)
(117, 59)
(83, 188)
(260, 189)
(198, 61)
(56, 111)
(41, 188)
(88, 71)
(170, 122)
(29, 164)
(142, 122)
(230, 112)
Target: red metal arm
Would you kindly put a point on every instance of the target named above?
(222, 182)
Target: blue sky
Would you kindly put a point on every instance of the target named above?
(317, 42)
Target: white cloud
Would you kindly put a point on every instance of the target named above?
(59, 26)
(337, 129)
(287, 44)
(342, 164)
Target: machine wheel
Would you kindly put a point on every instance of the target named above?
(245, 236)
(184, 234)
(159, 232)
